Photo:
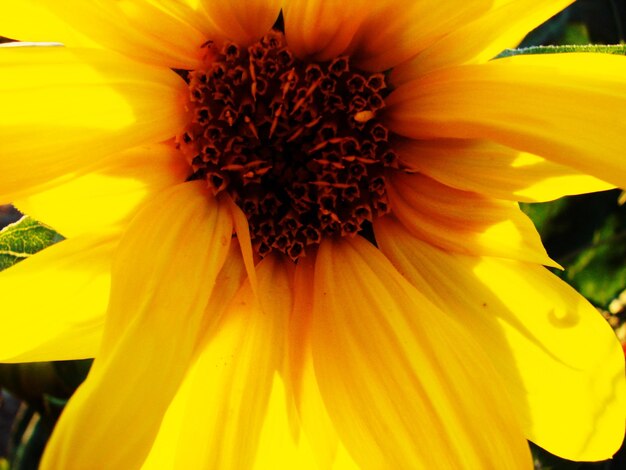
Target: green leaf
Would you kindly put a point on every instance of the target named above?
(24, 238)
(619, 49)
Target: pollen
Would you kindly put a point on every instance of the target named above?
(297, 145)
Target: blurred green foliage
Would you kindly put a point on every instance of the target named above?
(587, 236)
(584, 22)
(44, 388)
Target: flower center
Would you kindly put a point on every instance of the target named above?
(296, 145)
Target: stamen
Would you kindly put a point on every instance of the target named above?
(364, 116)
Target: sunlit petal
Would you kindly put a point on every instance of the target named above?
(63, 110)
(31, 20)
(566, 108)
(242, 22)
(165, 33)
(494, 170)
(396, 31)
(396, 373)
(237, 361)
(504, 26)
(464, 222)
(317, 428)
(54, 302)
(176, 244)
(111, 193)
(532, 326)
(323, 29)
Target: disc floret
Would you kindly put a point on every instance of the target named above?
(296, 144)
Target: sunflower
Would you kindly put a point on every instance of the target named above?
(292, 232)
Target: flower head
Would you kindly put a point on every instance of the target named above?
(292, 232)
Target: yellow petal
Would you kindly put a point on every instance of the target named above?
(54, 302)
(163, 33)
(163, 273)
(323, 29)
(242, 22)
(566, 108)
(281, 444)
(317, 429)
(30, 20)
(402, 383)
(281, 448)
(63, 110)
(559, 357)
(278, 448)
(502, 27)
(396, 31)
(230, 279)
(110, 195)
(220, 411)
(495, 170)
(462, 221)
(242, 230)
